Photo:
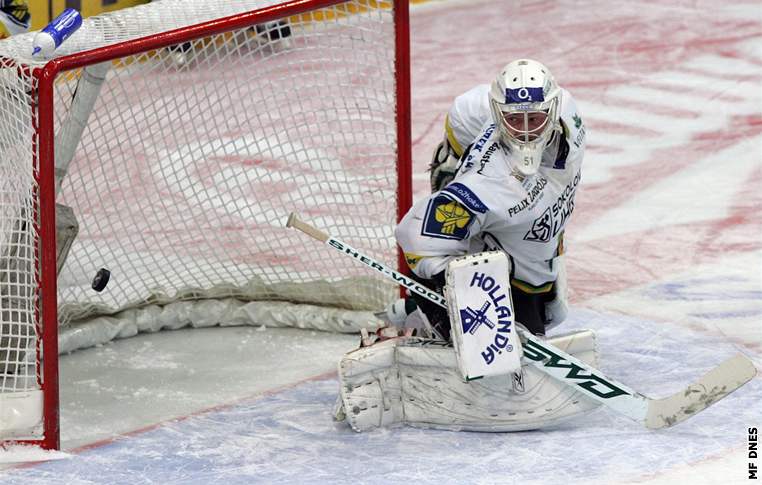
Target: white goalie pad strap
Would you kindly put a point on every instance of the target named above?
(478, 293)
(417, 382)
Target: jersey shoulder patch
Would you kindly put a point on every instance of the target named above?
(466, 196)
(571, 121)
(447, 218)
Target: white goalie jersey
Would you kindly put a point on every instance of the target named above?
(468, 116)
(486, 207)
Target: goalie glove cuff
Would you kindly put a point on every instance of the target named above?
(443, 166)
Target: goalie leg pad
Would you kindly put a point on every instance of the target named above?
(370, 386)
(417, 382)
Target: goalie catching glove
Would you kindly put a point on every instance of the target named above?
(443, 166)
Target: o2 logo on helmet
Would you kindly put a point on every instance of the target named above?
(524, 95)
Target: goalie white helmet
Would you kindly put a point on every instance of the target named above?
(525, 99)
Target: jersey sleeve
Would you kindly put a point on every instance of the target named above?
(466, 118)
(439, 228)
(574, 127)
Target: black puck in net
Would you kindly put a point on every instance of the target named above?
(101, 279)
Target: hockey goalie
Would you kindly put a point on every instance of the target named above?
(490, 238)
(486, 253)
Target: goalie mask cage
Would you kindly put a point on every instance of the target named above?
(173, 139)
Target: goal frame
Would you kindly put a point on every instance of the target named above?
(44, 158)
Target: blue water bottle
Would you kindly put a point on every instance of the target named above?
(52, 36)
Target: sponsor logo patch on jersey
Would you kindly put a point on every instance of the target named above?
(580, 137)
(577, 120)
(447, 218)
(553, 220)
(474, 149)
(534, 195)
(541, 230)
(467, 197)
(487, 156)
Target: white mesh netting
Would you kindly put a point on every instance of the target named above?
(187, 168)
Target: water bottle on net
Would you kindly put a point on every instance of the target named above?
(55, 33)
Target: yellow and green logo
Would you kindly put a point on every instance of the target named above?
(452, 216)
(412, 260)
(447, 218)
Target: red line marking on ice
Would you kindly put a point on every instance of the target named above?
(576, 85)
(755, 77)
(427, 130)
(690, 244)
(618, 258)
(698, 91)
(651, 108)
(701, 43)
(738, 128)
(609, 126)
(603, 149)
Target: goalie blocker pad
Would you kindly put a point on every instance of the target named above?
(478, 293)
(417, 382)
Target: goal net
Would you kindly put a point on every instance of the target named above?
(167, 144)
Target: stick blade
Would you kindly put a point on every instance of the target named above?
(713, 386)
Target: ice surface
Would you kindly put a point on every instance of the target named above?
(665, 264)
(288, 436)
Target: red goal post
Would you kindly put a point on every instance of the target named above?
(175, 158)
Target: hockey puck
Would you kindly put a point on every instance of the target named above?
(101, 279)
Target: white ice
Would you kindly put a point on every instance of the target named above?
(665, 264)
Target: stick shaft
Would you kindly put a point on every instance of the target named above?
(339, 245)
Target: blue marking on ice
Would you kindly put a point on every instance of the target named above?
(706, 289)
(290, 438)
(728, 314)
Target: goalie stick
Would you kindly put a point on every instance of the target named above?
(653, 413)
